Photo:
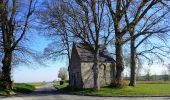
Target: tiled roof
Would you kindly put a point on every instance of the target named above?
(86, 55)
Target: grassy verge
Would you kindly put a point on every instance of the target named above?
(4, 92)
(142, 89)
(65, 86)
(37, 84)
(19, 88)
(24, 88)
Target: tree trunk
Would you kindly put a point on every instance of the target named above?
(119, 61)
(69, 70)
(96, 71)
(6, 71)
(133, 62)
(114, 70)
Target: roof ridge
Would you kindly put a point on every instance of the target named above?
(85, 54)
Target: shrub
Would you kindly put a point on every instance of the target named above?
(119, 84)
(61, 82)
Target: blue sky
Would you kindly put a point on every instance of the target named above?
(38, 73)
(35, 72)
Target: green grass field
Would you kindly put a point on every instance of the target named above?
(37, 84)
(141, 89)
(23, 88)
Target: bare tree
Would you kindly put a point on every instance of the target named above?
(125, 23)
(94, 22)
(148, 75)
(168, 67)
(86, 21)
(139, 68)
(95, 31)
(14, 20)
(139, 64)
(151, 26)
(63, 73)
(165, 75)
(54, 24)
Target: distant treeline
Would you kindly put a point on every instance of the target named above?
(152, 78)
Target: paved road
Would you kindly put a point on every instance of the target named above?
(45, 90)
(74, 97)
(48, 92)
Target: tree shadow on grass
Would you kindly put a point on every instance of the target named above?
(25, 90)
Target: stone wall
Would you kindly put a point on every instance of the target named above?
(75, 71)
(105, 74)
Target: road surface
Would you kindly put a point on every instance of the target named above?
(48, 92)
